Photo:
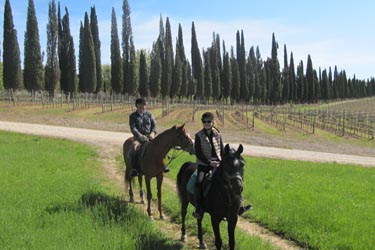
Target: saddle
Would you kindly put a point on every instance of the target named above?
(206, 183)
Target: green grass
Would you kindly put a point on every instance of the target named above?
(52, 198)
(319, 205)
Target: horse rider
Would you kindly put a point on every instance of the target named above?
(143, 127)
(209, 148)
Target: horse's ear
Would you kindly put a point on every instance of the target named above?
(174, 127)
(226, 149)
(240, 149)
(182, 126)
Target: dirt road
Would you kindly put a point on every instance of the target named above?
(109, 145)
(117, 138)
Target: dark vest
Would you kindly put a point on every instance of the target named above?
(206, 145)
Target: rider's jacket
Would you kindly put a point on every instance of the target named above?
(142, 124)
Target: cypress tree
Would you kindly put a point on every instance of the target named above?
(12, 74)
(33, 67)
(128, 51)
(325, 84)
(116, 61)
(300, 83)
(51, 72)
(168, 62)
(253, 76)
(96, 40)
(317, 94)
(196, 64)
(292, 81)
(87, 70)
(215, 63)
(207, 75)
(276, 87)
(310, 81)
(285, 78)
(143, 76)
(241, 59)
(133, 76)
(155, 70)
(67, 60)
(179, 66)
(176, 76)
(236, 81)
(226, 76)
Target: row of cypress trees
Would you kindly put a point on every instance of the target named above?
(211, 75)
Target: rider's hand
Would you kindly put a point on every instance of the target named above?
(152, 135)
(214, 164)
(143, 138)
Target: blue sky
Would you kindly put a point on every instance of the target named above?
(333, 32)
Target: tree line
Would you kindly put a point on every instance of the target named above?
(216, 73)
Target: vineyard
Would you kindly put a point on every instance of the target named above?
(354, 118)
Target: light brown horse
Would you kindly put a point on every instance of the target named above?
(152, 162)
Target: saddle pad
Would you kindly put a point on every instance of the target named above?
(191, 183)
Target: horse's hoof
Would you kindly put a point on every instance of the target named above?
(143, 201)
(183, 238)
(162, 217)
(151, 218)
(202, 245)
(131, 200)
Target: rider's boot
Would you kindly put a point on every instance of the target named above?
(198, 213)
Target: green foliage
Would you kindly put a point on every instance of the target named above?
(12, 74)
(196, 64)
(167, 65)
(51, 72)
(143, 76)
(87, 60)
(155, 70)
(67, 59)
(95, 37)
(116, 61)
(33, 67)
(52, 199)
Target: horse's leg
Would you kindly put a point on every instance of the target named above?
(231, 228)
(184, 205)
(159, 182)
(215, 222)
(140, 181)
(149, 195)
(202, 245)
(131, 195)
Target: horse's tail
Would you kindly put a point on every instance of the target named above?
(125, 149)
(181, 176)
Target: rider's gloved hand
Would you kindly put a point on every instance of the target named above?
(143, 138)
(152, 135)
(214, 164)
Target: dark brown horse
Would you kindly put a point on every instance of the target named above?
(152, 163)
(223, 200)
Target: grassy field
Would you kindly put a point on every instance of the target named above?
(52, 198)
(319, 205)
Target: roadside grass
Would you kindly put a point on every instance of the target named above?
(52, 198)
(318, 205)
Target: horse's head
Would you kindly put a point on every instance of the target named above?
(183, 138)
(233, 164)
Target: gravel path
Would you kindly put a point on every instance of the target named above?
(117, 138)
